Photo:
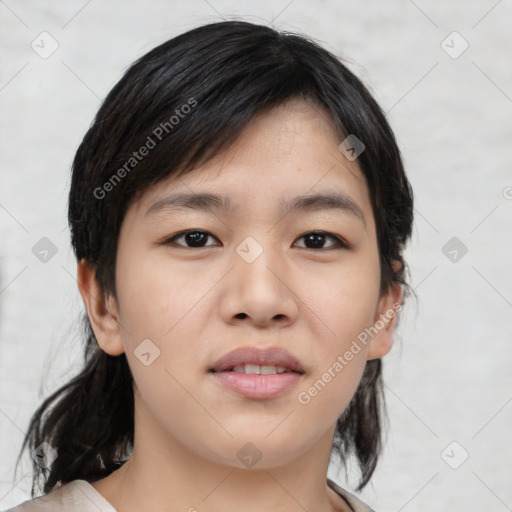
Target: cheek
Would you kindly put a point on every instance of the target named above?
(163, 304)
(158, 296)
(345, 300)
(345, 305)
(168, 306)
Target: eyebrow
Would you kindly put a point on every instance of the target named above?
(213, 203)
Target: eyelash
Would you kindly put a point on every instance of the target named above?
(341, 244)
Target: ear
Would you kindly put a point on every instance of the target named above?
(101, 310)
(385, 320)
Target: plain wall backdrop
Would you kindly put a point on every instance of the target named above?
(440, 69)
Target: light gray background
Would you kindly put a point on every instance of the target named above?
(449, 375)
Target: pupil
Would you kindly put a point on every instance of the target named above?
(194, 238)
(317, 239)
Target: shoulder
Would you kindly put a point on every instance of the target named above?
(355, 503)
(78, 495)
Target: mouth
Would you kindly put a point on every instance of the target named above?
(257, 374)
(255, 369)
(251, 360)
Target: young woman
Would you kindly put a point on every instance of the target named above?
(238, 211)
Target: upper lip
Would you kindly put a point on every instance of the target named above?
(273, 356)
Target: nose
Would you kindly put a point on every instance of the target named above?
(259, 292)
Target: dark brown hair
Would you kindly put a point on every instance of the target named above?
(192, 96)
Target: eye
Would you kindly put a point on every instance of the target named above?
(193, 238)
(316, 240)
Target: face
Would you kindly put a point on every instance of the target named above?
(196, 280)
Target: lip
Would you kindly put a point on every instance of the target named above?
(273, 356)
(257, 387)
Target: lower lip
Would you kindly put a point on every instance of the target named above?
(257, 386)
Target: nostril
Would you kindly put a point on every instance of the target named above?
(241, 315)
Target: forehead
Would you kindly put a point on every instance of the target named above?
(287, 152)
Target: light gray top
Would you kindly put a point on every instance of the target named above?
(81, 496)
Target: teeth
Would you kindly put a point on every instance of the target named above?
(268, 370)
(254, 369)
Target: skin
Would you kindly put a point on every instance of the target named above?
(187, 301)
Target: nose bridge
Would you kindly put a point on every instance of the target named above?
(255, 259)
